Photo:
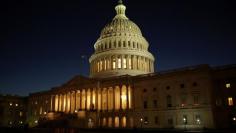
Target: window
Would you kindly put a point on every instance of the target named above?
(194, 84)
(145, 119)
(185, 119)
(154, 89)
(218, 102)
(114, 44)
(195, 99)
(181, 85)
(113, 63)
(167, 87)
(124, 63)
(124, 44)
(21, 113)
(169, 101)
(230, 101)
(119, 62)
(198, 120)
(119, 44)
(183, 100)
(145, 104)
(144, 90)
(170, 121)
(109, 44)
(156, 120)
(227, 85)
(155, 103)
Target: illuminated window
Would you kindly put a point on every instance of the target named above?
(21, 113)
(10, 104)
(130, 65)
(119, 62)
(97, 66)
(124, 63)
(104, 121)
(185, 119)
(227, 85)
(116, 121)
(230, 101)
(123, 121)
(113, 63)
(198, 120)
(110, 122)
(16, 104)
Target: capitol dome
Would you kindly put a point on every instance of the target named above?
(121, 49)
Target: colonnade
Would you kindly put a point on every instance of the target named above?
(116, 121)
(107, 44)
(113, 62)
(110, 98)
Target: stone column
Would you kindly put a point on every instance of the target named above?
(107, 97)
(114, 100)
(75, 105)
(80, 99)
(127, 97)
(122, 61)
(116, 57)
(120, 97)
(102, 108)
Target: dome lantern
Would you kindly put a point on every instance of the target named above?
(120, 10)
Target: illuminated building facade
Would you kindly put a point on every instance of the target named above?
(123, 91)
(13, 111)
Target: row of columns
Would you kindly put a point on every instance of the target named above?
(119, 44)
(89, 99)
(116, 121)
(132, 62)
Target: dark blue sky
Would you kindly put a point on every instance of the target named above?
(42, 42)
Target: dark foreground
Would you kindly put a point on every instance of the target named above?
(77, 130)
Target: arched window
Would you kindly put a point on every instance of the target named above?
(117, 124)
(110, 122)
(104, 121)
(123, 121)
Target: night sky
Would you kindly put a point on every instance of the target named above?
(44, 43)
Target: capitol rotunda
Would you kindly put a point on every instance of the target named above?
(121, 49)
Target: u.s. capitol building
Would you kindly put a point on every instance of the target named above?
(124, 91)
